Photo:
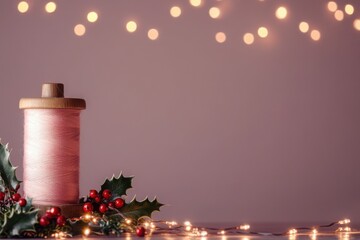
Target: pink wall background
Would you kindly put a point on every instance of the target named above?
(220, 132)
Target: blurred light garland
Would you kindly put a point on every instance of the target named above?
(215, 11)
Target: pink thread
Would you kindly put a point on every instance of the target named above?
(51, 155)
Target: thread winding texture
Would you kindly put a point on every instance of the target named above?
(51, 155)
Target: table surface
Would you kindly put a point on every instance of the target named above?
(256, 227)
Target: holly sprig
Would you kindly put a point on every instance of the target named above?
(111, 212)
(104, 212)
(16, 213)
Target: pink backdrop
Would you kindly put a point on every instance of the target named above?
(220, 132)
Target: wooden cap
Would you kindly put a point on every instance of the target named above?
(52, 97)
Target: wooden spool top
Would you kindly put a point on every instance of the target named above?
(52, 97)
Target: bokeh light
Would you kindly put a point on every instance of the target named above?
(92, 17)
(214, 12)
(23, 7)
(153, 34)
(332, 6)
(357, 24)
(281, 12)
(304, 27)
(349, 9)
(196, 3)
(131, 26)
(50, 7)
(315, 35)
(248, 38)
(339, 15)
(175, 11)
(220, 37)
(263, 32)
(79, 30)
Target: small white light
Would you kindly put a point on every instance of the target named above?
(245, 227)
(23, 7)
(86, 231)
(344, 221)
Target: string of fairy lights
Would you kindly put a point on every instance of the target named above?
(339, 11)
(187, 229)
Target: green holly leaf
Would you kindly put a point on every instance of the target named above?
(16, 222)
(136, 209)
(7, 171)
(117, 186)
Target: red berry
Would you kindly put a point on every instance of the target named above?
(60, 221)
(88, 207)
(2, 196)
(93, 193)
(22, 202)
(97, 199)
(48, 214)
(16, 197)
(140, 231)
(106, 194)
(119, 203)
(111, 204)
(44, 221)
(55, 211)
(103, 208)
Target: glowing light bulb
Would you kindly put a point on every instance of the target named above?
(222, 232)
(248, 38)
(292, 231)
(131, 26)
(263, 32)
(214, 12)
(153, 34)
(187, 223)
(313, 235)
(349, 9)
(281, 12)
(86, 231)
(332, 6)
(220, 37)
(175, 11)
(128, 221)
(315, 35)
(245, 227)
(203, 233)
(356, 24)
(50, 7)
(196, 3)
(23, 7)
(304, 27)
(87, 217)
(79, 30)
(339, 15)
(344, 221)
(92, 17)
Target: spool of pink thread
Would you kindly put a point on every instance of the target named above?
(51, 146)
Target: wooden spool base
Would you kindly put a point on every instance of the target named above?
(68, 210)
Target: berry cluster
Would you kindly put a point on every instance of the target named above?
(101, 202)
(12, 199)
(52, 215)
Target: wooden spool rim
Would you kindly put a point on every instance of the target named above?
(52, 98)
